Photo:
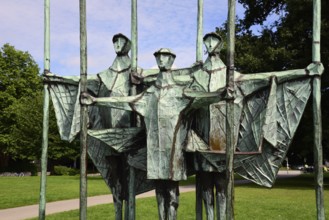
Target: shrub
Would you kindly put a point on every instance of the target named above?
(65, 171)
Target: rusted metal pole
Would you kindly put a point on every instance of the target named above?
(316, 57)
(84, 112)
(230, 147)
(45, 129)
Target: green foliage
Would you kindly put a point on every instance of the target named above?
(27, 131)
(21, 107)
(65, 171)
(258, 10)
(18, 78)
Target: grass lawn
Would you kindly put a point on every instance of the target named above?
(21, 191)
(292, 198)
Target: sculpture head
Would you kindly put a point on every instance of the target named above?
(165, 58)
(121, 44)
(213, 43)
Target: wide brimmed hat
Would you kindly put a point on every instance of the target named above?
(164, 51)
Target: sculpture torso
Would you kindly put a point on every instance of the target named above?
(213, 74)
(115, 82)
(211, 78)
(162, 106)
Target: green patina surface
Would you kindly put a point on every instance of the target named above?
(226, 120)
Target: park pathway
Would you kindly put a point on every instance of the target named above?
(31, 211)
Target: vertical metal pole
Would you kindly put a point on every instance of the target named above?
(134, 37)
(44, 153)
(198, 195)
(134, 51)
(131, 200)
(199, 58)
(84, 112)
(230, 112)
(199, 31)
(316, 56)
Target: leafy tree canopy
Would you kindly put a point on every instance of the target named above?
(19, 77)
(21, 107)
(27, 132)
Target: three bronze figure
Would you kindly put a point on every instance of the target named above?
(182, 113)
(181, 122)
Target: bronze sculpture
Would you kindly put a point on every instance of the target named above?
(111, 162)
(267, 110)
(163, 107)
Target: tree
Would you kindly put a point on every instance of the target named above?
(27, 132)
(21, 107)
(18, 78)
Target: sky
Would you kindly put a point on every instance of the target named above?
(161, 24)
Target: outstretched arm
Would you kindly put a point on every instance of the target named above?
(252, 82)
(70, 79)
(51, 78)
(314, 69)
(122, 103)
(201, 99)
(181, 76)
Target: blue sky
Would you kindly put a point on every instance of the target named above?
(161, 23)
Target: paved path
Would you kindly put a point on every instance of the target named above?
(31, 211)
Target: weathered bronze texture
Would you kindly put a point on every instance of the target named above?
(227, 121)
